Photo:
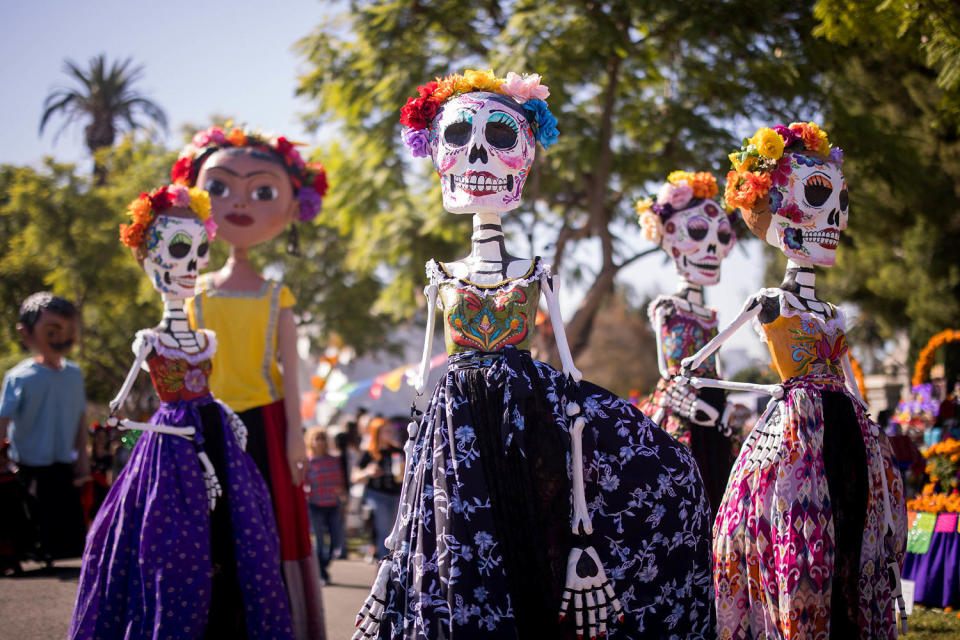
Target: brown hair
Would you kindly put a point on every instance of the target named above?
(376, 426)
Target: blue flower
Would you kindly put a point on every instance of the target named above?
(776, 199)
(545, 124)
(480, 593)
(793, 238)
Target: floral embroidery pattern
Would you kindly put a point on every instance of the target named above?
(818, 353)
(489, 323)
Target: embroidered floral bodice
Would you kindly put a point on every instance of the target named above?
(683, 333)
(177, 375)
(487, 317)
(802, 343)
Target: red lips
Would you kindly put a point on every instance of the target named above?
(239, 219)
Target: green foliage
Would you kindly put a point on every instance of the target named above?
(639, 88)
(894, 110)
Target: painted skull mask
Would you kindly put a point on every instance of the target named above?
(698, 238)
(176, 249)
(810, 206)
(482, 147)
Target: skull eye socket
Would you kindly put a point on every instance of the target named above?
(725, 234)
(844, 199)
(203, 248)
(180, 245)
(697, 228)
(501, 131)
(458, 133)
(817, 189)
(217, 188)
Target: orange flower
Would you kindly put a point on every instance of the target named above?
(814, 138)
(704, 184)
(745, 188)
(132, 234)
(139, 210)
(237, 137)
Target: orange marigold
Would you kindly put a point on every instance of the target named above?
(704, 185)
(139, 210)
(814, 138)
(745, 188)
(237, 137)
(132, 234)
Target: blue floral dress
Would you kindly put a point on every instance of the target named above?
(484, 522)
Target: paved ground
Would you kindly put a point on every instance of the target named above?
(37, 606)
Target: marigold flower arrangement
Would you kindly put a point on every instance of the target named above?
(942, 493)
(309, 179)
(420, 111)
(760, 162)
(680, 189)
(925, 360)
(147, 206)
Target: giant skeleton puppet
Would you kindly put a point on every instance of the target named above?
(188, 519)
(810, 534)
(259, 184)
(690, 226)
(485, 543)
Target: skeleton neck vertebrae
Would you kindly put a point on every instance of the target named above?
(175, 324)
(692, 294)
(800, 280)
(489, 262)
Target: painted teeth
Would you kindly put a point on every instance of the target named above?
(822, 237)
(481, 183)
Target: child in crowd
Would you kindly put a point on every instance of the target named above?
(42, 412)
(326, 489)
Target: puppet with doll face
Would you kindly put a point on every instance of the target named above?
(487, 490)
(189, 516)
(695, 231)
(815, 472)
(259, 184)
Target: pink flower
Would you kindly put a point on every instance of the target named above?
(195, 380)
(213, 135)
(676, 195)
(180, 195)
(211, 227)
(524, 88)
(792, 212)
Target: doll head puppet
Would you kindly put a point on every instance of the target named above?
(258, 183)
(789, 186)
(686, 221)
(481, 131)
(169, 234)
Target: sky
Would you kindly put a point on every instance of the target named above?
(211, 57)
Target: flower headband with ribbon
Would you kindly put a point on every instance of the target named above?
(680, 189)
(762, 160)
(309, 179)
(147, 206)
(420, 111)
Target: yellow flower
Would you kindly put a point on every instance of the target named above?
(676, 177)
(745, 165)
(482, 80)
(200, 202)
(768, 142)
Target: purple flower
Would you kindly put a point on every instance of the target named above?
(776, 199)
(310, 204)
(417, 140)
(788, 135)
(195, 380)
(793, 238)
(836, 155)
(792, 212)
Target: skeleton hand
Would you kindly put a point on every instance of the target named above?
(236, 425)
(683, 400)
(368, 620)
(587, 585)
(685, 366)
(210, 479)
(114, 405)
(572, 372)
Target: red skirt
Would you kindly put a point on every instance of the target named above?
(267, 445)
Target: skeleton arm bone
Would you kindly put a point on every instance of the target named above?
(850, 380)
(121, 396)
(550, 286)
(431, 292)
(750, 310)
(661, 356)
(774, 390)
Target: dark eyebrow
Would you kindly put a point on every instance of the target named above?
(253, 173)
(230, 171)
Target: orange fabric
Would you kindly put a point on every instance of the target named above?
(799, 346)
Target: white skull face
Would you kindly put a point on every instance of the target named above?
(482, 148)
(699, 238)
(177, 248)
(810, 206)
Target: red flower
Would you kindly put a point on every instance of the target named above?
(426, 89)
(418, 112)
(161, 199)
(320, 180)
(182, 171)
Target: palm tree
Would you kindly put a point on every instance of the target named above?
(106, 98)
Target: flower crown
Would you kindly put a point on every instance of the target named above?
(676, 193)
(420, 111)
(147, 206)
(309, 179)
(761, 162)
